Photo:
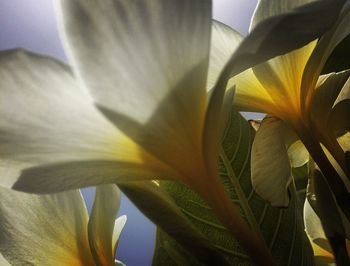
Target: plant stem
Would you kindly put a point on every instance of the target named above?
(332, 177)
(229, 215)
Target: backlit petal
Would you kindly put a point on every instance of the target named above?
(270, 167)
(118, 227)
(145, 63)
(281, 77)
(298, 154)
(250, 94)
(44, 229)
(101, 224)
(269, 8)
(46, 118)
(322, 51)
(224, 41)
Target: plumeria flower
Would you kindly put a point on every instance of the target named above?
(291, 90)
(55, 229)
(135, 105)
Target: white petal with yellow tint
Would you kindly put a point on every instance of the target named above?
(323, 50)
(269, 8)
(268, 39)
(118, 227)
(250, 95)
(314, 230)
(48, 120)
(345, 92)
(44, 230)
(102, 222)
(298, 154)
(270, 166)
(145, 63)
(3, 261)
(327, 91)
(224, 41)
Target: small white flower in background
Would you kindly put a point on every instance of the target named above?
(56, 230)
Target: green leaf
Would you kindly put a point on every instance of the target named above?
(159, 207)
(282, 228)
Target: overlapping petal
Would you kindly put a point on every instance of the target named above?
(145, 63)
(270, 166)
(50, 128)
(224, 42)
(270, 8)
(103, 224)
(322, 51)
(55, 229)
(44, 230)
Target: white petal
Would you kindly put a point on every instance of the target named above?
(118, 227)
(3, 261)
(44, 230)
(45, 116)
(47, 119)
(224, 41)
(269, 8)
(146, 64)
(270, 39)
(327, 92)
(270, 167)
(101, 224)
(323, 50)
(298, 154)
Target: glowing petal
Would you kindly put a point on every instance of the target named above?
(118, 227)
(298, 154)
(327, 91)
(281, 77)
(145, 63)
(101, 224)
(323, 50)
(44, 230)
(47, 119)
(250, 94)
(269, 8)
(224, 41)
(270, 167)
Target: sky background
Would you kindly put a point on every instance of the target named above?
(31, 24)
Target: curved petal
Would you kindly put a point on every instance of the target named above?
(298, 154)
(224, 41)
(250, 95)
(339, 116)
(323, 50)
(146, 63)
(46, 118)
(118, 227)
(44, 230)
(345, 92)
(269, 8)
(270, 167)
(3, 261)
(50, 178)
(101, 224)
(281, 77)
(327, 91)
(314, 230)
(269, 39)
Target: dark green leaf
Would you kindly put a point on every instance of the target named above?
(282, 228)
